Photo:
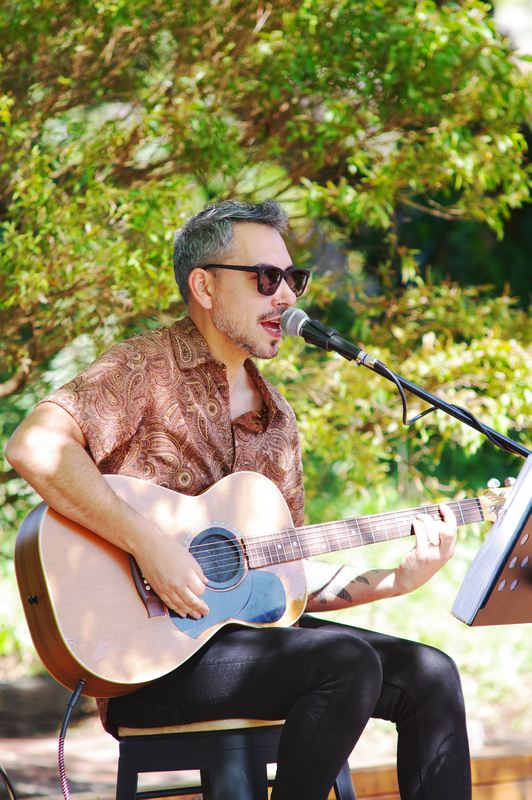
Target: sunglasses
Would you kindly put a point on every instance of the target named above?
(269, 278)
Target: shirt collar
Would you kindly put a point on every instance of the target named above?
(190, 348)
(191, 351)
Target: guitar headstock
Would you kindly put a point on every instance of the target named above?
(494, 499)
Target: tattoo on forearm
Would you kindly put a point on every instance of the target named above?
(326, 593)
(336, 588)
(343, 594)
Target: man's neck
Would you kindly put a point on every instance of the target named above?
(222, 350)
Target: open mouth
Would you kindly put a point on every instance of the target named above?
(273, 328)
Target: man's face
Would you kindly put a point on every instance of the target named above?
(250, 320)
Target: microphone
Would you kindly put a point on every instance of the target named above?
(295, 322)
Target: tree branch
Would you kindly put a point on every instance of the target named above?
(18, 380)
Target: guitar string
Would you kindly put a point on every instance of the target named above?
(276, 552)
(313, 534)
(402, 517)
(317, 531)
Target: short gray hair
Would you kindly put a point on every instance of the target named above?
(208, 236)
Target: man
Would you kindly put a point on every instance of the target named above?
(185, 406)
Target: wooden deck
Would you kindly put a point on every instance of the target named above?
(496, 776)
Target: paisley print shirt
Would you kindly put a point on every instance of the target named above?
(156, 407)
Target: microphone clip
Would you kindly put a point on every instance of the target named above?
(328, 339)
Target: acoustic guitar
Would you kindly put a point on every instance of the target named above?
(91, 614)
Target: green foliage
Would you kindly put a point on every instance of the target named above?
(120, 119)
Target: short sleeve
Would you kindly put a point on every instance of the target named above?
(109, 399)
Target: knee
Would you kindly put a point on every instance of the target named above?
(435, 666)
(354, 663)
(435, 674)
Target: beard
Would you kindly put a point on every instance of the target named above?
(240, 337)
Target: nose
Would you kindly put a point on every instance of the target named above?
(284, 296)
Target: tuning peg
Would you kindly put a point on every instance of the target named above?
(509, 481)
(494, 483)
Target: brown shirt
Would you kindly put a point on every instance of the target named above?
(157, 407)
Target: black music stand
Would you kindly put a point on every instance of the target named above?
(497, 589)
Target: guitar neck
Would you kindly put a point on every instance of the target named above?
(293, 544)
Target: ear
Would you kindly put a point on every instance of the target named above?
(200, 286)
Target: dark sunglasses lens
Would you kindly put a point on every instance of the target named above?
(297, 281)
(269, 280)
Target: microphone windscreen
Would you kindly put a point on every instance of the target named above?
(292, 320)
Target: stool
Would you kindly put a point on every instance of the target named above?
(231, 755)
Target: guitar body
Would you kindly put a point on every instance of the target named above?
(90, 616)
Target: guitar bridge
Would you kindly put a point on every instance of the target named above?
(154, 605)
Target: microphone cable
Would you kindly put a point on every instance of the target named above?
(295, 322)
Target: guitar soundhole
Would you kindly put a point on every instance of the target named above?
(219, 554)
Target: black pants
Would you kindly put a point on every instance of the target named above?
(326, 680)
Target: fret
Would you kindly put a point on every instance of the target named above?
(371, 531)
(292, 546)
(260, 557)
(278, 549)
(340, 546)
(397, 524)
(347, 533)
(358, 531)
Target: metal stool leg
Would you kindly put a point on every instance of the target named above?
(343, 785)
(238, 768)
(127, 780)
(238, 775)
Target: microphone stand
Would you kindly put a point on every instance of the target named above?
(329, 339)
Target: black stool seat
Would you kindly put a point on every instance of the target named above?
(231, 756)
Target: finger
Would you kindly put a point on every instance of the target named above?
(449, 518)
(175, 605)
(195, 607)
(198, 571)
(185, 605)
(420, 531)
(201, 575)
(433, 530)
(195, 583)
(447, 529)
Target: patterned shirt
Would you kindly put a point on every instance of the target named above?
(156, 407)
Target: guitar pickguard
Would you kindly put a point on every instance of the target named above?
(259, 598)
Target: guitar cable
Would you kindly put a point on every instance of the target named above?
(9, 786)
(61, 747)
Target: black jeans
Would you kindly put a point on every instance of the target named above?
(326, 680)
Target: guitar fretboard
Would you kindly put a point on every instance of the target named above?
(293, 544)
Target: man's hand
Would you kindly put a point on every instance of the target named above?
(174, 575)
(435, 542)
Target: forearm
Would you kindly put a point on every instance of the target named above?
(62, 472)
(334, 586)
(48, 450)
